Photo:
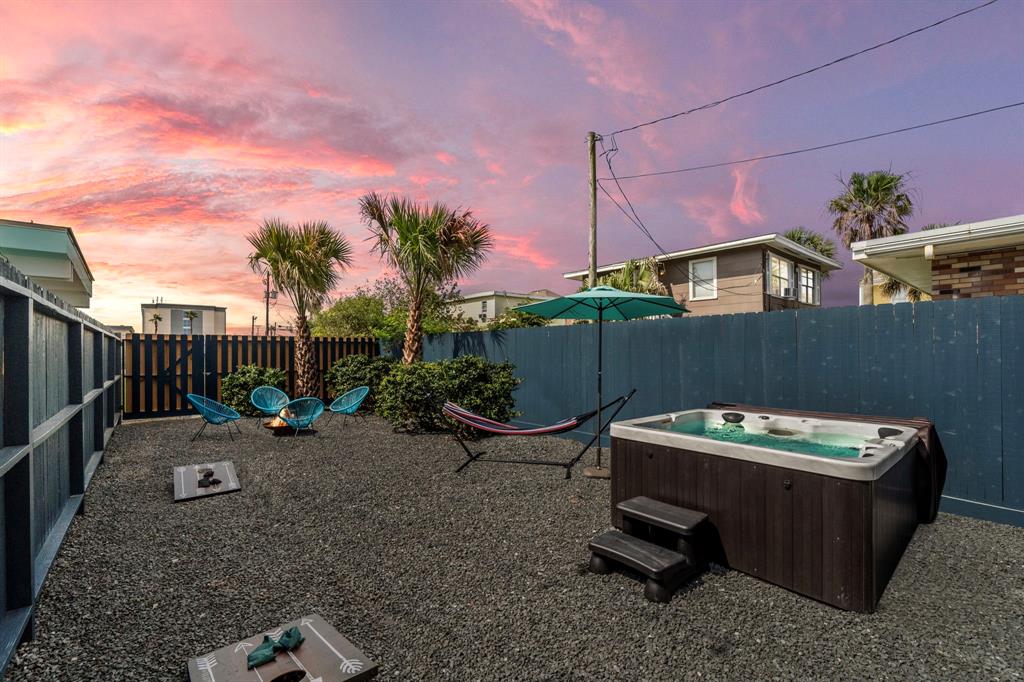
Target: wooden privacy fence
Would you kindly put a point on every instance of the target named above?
(959, 363)
(160, 369)
(60, 395)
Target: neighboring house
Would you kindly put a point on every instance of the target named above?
(751, 275)
(960, 261)
(121, 329)
(174, 319)
(50, 256)
(484, 306)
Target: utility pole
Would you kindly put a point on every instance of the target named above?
(266, 301)
(592, 138)
(254, 325)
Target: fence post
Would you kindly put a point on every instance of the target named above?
(18, 379)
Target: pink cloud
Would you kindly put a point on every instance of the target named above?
(744, 197)
(603, 45)
(445, 158)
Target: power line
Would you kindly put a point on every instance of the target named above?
(844, 58)
(687, 275)
(818, 147)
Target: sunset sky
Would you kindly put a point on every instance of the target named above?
(164, 132)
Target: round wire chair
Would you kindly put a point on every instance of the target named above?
(348, 403)
(214, 413)
(301, 413)
(268, 400)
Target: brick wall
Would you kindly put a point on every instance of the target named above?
(996, 272)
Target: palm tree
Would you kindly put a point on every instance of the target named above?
(304, 261)
(428, 245)
(872, 205)
(814, 241)
(190, 315)
(642, 276)
(156, 320)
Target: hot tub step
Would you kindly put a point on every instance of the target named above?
(670, 517)
(665, 570)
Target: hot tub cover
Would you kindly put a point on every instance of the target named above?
(930, 458)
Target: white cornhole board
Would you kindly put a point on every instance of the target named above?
(324, 656)
(186, 481)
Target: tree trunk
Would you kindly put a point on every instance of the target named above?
(307, 374)
(869, 278)
(413, 348)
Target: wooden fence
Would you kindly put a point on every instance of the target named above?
(160, 369)
(60, 395)
(959, 363)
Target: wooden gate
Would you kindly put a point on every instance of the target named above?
(160, 369)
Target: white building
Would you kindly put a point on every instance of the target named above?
(484, 306)
(177, 318)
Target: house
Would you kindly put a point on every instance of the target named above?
(50, 256)
(755, 274)
(960, 261)
(484, 306)
(121, 330)
(175, 318)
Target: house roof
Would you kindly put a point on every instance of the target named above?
(29, 238)
(184, 306)
(907, 257)
(774, 240)
(505, 294)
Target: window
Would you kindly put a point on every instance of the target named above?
(780, 276)
(810, 286)
(186, 325)
(703, 279)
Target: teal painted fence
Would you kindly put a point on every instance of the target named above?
(959, 363)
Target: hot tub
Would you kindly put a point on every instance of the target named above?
(821, 507)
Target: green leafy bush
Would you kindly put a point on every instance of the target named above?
(354, 371)
(411, 396)
(236, 388)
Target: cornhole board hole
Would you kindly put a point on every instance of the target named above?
(186, 481)
(324, 656)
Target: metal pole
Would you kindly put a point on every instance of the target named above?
(266, 300)
(591, 142)
(599, 471)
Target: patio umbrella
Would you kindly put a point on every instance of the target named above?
(603, 303)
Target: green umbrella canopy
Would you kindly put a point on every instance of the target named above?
(612, 303)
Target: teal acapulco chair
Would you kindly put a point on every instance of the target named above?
(348, 403)
(300, 414)
(268, 401)
(214, 413)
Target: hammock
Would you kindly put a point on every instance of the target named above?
(481, 423)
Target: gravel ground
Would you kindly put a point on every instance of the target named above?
(478, 576)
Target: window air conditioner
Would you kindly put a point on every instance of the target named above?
(788, 292)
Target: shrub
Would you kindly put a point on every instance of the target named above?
(411, 396)
(236, 388)
(354, 371)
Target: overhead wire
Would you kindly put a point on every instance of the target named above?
(806, 72)
(820, 146)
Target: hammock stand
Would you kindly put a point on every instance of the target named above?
(496, 428)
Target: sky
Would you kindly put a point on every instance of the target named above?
(163, 133)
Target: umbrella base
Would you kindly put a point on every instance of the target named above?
(597, 472)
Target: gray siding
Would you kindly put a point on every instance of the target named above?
(50, 483)
(49, 367)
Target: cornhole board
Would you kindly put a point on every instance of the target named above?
(324, 656)
(186, 481)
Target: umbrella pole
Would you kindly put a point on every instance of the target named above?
(598, 471)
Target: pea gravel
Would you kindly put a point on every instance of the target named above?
(477, 576)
